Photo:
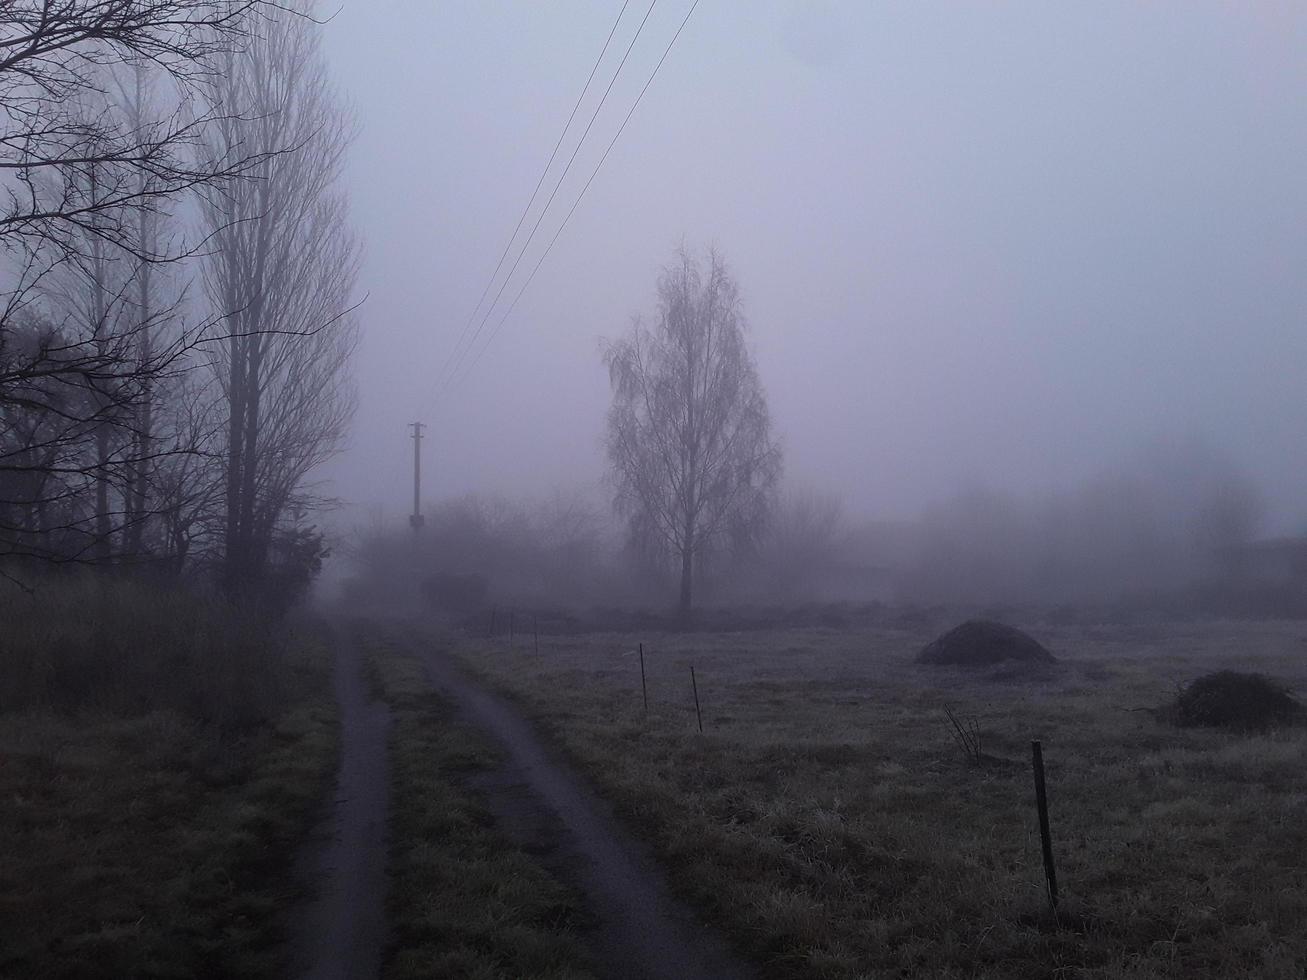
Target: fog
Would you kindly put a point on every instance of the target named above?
(981, 249)
(832, 404)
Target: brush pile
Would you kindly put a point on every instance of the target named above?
(1230, 699)
(982, 643)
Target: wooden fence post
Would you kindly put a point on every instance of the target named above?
(644, 688)
(695, 685)
(1045, 835)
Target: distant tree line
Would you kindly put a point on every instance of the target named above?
(176, 322)
(1158, 531)
(565, 552)
(476, 550)
(1149, 527)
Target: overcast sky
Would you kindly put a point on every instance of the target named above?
(989, 243)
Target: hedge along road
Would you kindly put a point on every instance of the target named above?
(641, 932)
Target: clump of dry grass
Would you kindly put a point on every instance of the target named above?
(1236, 700)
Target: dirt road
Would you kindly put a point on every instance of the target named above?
(642, 933)
(342, 933)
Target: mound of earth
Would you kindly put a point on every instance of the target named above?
(1231, 699)
(982, 642)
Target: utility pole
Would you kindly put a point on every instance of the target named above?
(416, 519)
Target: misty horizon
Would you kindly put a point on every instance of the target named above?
(988, 249)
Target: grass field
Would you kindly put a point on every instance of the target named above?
(149, 815)
(464, 902)
(828, 821)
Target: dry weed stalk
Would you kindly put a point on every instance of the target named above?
(966, 732)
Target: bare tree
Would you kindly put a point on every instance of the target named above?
(281, 272)
(689, 434)
(55, 56)
(42, 438)
(105, 305)
(68, 391)
(186, 473)
(137, 100)
(87, 169)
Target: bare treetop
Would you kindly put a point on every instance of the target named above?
(57, 62)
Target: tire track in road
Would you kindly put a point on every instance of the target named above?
(342, 933)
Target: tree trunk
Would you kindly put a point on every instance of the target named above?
(234, 557)
(252, 547)
(687, 581)
(99, 328)
(139, 493)
(103, 526)
(687, 570)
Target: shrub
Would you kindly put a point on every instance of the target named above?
(295, 561)
(1231, 699)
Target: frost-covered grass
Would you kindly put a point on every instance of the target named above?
(148, 821)
(464, 900)
(827, 819)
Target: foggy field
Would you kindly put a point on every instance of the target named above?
(828, 820)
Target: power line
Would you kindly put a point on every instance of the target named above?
(539, 183)
(446, 380)
(495, 332)
(476, 334)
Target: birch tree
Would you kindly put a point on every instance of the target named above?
(689, 435)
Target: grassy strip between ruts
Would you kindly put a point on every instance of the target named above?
(155, 845)
(464, 901)
(827, 820)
